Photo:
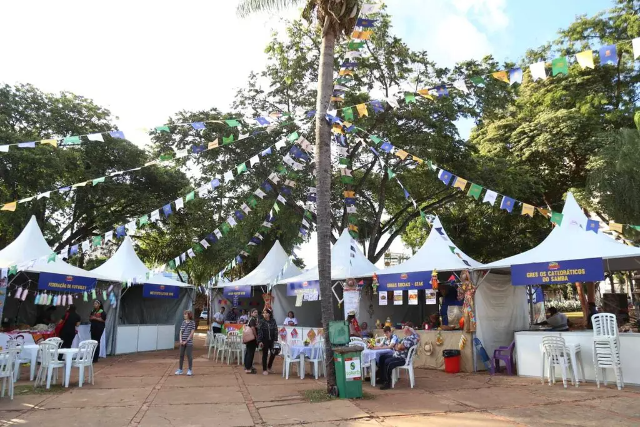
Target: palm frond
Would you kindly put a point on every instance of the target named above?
(247, 7)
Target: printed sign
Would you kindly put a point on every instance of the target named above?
(160, 291)
(413, 297)
(64, 283)
(550, 273)
(231, 292)
(430, 296)
(353, 372)
(382, 298)
(294, 289)
(397, 297)
(404, 281)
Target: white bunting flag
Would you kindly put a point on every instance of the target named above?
(353, 54)
(232, 222)
(47, 195)
(228, 176)
(204, 243)
(183, 256)
(342, 151)
(282, 199)
(132, 227)
(108, 236)
(260, 193)
(369, 8)
(351, 209)
(636, 47)
(312, 190)
(339, 87)
(281, 143)
(244, 253)
(274, 178)
(305, 222)
(245, 208)
(345, 172)
(182, 153)
(177, 261)
(179, 203)
(287, 159)
(490, 197)
(243, 136)
(290, 183)
(267, 224)
(461, 86)
(258, 235)
(4, 148)
(217, 233)
(254, 160)
(28, 199)
(191, 253)
(538, 71)
(297, 166)
(86, 246)
(393, 102)
(203, 191)
(95, 137)
(155, 216)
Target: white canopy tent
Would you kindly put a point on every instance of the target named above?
(28, 246)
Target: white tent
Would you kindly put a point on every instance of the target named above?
(267, 271)
(28, 246)
(342, 265)
(571, 241)
(125, 265)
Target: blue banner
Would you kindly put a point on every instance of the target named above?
(236, 292)
(160, 291)
(64, 283)
(557, 272)
(404, 281)
(312, 286)
(538, 295)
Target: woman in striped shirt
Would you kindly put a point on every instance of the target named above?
(187, 330)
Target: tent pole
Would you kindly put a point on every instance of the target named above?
(114, 334)
(530, 292)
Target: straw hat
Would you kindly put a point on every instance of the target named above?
(428, 348)
(351, 313)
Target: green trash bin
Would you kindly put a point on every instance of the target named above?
(348, 371)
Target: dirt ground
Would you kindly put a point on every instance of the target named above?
(142, 390)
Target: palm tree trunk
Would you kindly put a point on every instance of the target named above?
(323, 185)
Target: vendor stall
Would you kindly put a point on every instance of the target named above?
(149, 313)
(574, 251)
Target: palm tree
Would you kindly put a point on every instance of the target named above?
(337, 18)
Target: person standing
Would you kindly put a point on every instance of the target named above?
(232, 316)
(251, 346)
(97, 318)
(389, 362)
(68, 327)
(187, 329)
(267, 336)
(218, 320)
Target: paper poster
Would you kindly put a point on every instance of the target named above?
(382, 298)
(310, 296)
(413, 297)
(430, 296)
(299, 300)
(351, 302)
(397, 297)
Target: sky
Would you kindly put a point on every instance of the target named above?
(146, 60)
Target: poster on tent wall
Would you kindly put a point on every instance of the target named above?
(351, 301)
(430, 297)
(397, 297)
(404, 281)
(382, 298)
(310, 287)
(160, 291)
(557, 272)
(413, 296)
(64, 283)
(4, 280)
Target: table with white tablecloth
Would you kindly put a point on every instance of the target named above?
(372, 357)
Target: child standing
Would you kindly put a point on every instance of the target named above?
(187, 330)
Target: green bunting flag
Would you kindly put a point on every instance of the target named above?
(308, 215)
(346, 179)
(72, 140)
(423, 216)
(352, 219)
(251, 201)
(165, 157)
(353, 234)
(347, 114)
(189, 197)
(225, 228)
(345, 161)
(559, 66)
(479, 80)
(96, 241)
(163, 129)
(556, 218)
(354, 45)
(172, 265)
(241, 168)
(474, 191)
(227, 139)
(452, 249)
(51, 257)
(343, 80)
(293, 136)
(232, 123)
(376, 139)
(281, 169)
(98, 180)
(635, 227)
(197, 248)
(409, 97)
(13, 270)
(276, 207)
(144, 219)
(390, 173)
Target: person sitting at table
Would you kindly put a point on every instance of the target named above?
(558, 321)
(364, 330)
(354, 328)
(232, 316)
(218, 320)
(68, 325)
(399, 357)
(291, 319)
(244, 317)
(390, 339)
(433, 322)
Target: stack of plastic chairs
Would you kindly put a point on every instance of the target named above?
(606, 348)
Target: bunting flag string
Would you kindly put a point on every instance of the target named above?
(345, 167)
(162, 160)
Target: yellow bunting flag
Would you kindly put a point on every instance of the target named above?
(362, 110)
(544, 212)
(9, 206)
(345, 72)
(336, 99)
(418, 159)
(585, 59)
(336, 128)
(51, 142)
(501, 75)
(402, 154)
(349, 194)
(213, 144)
(425, 93)
(80, 184)
(615, 226)
(347, 125)
(460, 183)
(528, 210)
(353, 227)
(361, 35)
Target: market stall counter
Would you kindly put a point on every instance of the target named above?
(431, 356)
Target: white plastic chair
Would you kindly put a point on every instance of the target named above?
(84, 359)
(6, 370)
(606, 348)
(233, 346)
(317, 359)
(213, 342)
(57, 341)
(48, 362)
(18, 359)
(220, 341)
(556, 354)
(285, 350)
(408, 366)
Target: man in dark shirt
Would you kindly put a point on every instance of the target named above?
(232, 316)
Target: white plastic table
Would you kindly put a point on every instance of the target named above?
(372, 356)
(31, 351)
(68, 358)
(575, 355)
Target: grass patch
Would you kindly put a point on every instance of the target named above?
(321, 395)
(26, 390)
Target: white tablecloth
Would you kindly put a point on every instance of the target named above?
(369, 354)
(296, 350)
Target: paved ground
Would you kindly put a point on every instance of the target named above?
(141, 390)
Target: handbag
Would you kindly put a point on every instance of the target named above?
(248, 335)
